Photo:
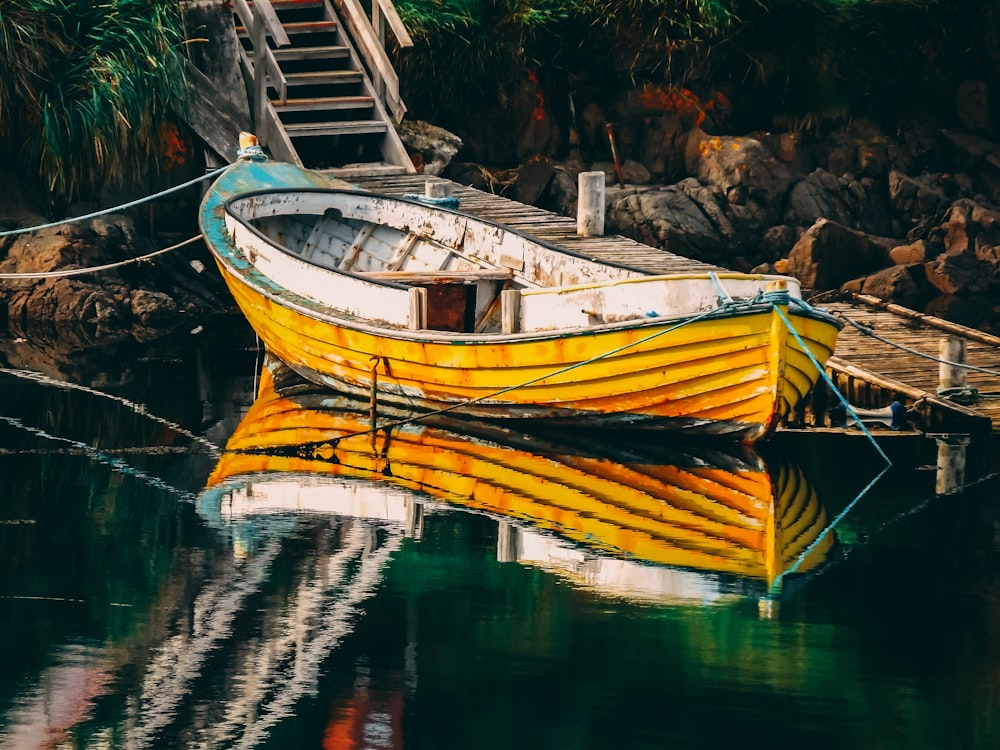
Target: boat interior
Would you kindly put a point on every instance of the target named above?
(477, 277)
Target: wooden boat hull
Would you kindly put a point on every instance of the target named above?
(703, 509)
(734, 373)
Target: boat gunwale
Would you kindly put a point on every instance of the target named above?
(430, 210)
(254, 279)
(322, 313)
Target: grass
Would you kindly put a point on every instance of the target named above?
(85, 88)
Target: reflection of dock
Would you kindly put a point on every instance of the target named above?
(868, 372)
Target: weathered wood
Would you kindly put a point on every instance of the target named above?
(395, 23)
(341, 127)
(951, 374)
(442, 277)
(311, 53)
(364, 37)
(510, 310)
(324, 103)
(437, 189)
(930, 320)
(323, 77)
(418, 308)
(209, 115)
(590, 204)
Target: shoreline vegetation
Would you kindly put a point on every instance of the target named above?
(92, 102)
(89, 92)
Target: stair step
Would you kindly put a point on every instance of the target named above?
(284, 54)
(280, 4)
(323, 76)
(293, 28)
(364, 170)
(348, 127)
(324, 103)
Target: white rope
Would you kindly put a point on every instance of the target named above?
(96, 269)
(116, 209)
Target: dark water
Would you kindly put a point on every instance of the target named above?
(133, 614)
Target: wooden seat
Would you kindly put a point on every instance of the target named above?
(443, 277)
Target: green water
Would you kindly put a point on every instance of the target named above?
(130, 618)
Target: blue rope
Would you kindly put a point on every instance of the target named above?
(723, 294)
(447, 202)
(808, 550)
(116, 209)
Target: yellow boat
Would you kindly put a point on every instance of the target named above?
(427, 307)
(633, 520)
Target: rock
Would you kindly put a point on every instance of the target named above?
(99, 301)
(669, 218)
(904, 285)
(969, 227)
(974, 311)
(115, 227)
(435, 145)
(906, 255)
(913, 197)
(746, 173)
(857, 204)
(532, 180)
(966, 151)
(662, 151)
(592, 120)
(152, 308)
(972, 105)
(778, 241)
(829, 254)
(635, 173)
(539, 133)
(960, 273)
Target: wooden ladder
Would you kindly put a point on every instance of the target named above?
(324, 95)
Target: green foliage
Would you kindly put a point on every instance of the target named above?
(804, 61)
(85, 87)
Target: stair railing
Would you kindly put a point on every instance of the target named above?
(369, 36)
(262, 24)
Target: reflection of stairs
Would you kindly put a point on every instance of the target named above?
(322, 109)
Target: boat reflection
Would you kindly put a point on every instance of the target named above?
(611, 513)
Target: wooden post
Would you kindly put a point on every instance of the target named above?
(507, 542)
(510, 310)
(378, 82)
(437, 189)
(259, 73)
(418, 308)
(414, 518)
(590, 204)
(950, 463)
(952, 350)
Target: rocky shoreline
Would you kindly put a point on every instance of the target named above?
(911, 216)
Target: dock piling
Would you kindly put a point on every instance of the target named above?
(590, 204)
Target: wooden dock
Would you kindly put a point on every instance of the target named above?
(884, 351)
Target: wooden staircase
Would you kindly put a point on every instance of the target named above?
(324, 94)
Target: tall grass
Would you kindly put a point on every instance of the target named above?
(85, 87)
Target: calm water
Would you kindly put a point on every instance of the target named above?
(446, 591)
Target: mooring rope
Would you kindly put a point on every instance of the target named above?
(116, 209)
(97, 269)
(139, 409)
(869, 332)
(840, 516)
(115, 463)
